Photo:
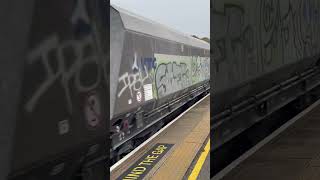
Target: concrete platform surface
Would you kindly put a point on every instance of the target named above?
(292, 155)
(183, 142)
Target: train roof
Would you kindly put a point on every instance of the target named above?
(143, 25)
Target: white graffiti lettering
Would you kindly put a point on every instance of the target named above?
(63, 72)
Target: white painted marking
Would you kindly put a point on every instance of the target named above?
(63, 126)
(147, 90)
(258, 146)
(153, 136)
(92, 110)
(135, 64)
(139, 96)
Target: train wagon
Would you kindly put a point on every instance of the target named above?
(53, 89)
(153, 71)
(265, 54)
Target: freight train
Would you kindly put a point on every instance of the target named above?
(265, 54)
(153, 71)
(53, 89)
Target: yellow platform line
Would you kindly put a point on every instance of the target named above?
(195, 172)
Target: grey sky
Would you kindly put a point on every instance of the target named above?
(188, 16)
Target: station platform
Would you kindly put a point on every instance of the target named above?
(179, 151)
(292, 152)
